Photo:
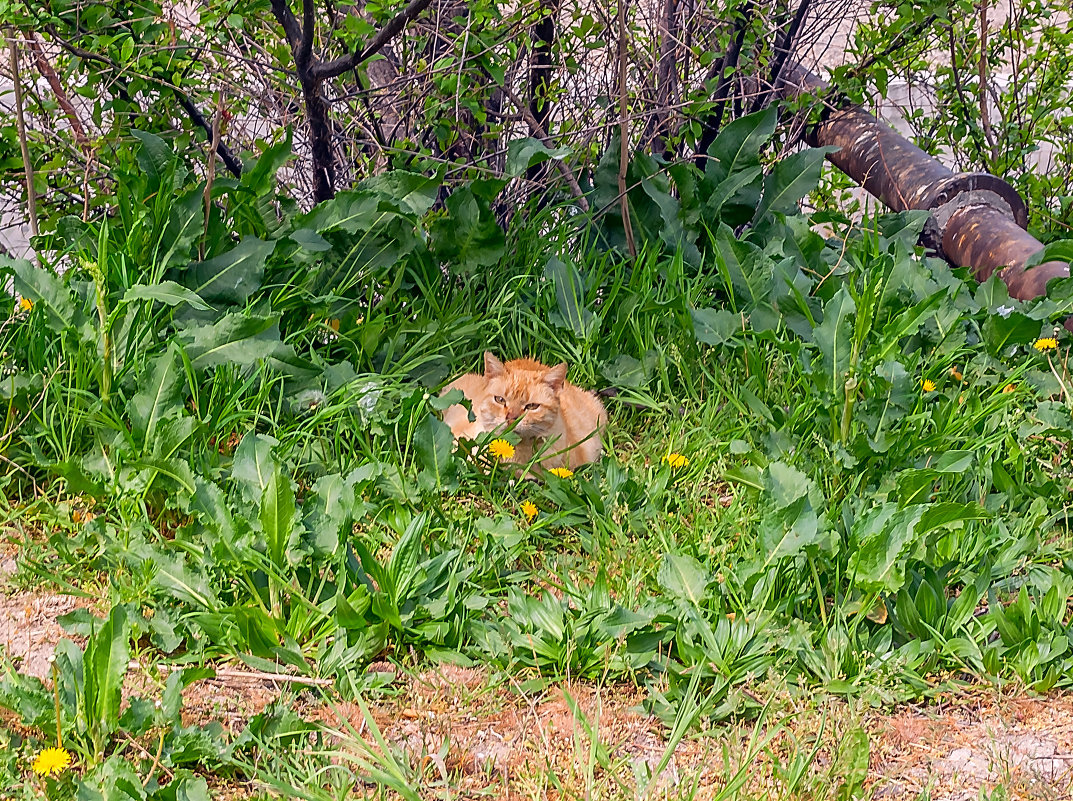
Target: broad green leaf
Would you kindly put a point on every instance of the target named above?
(683, 577)
(953, 462)
(155, 158)
(715, 326)
(570, 296)
(788, 532)
(112, 780)
(726, 189)
(254, 465)
(1002, 332)
(167, 292)
(48, 292)
(1059, 250)
(158, 396)
(790, 180)
(739, 142)
(105, 665)
(328, 511)
(401, 568)
(260, 177)
(625, 371)
(469, 235)
(177, 471)
(525, 153)
(833, 337)
(884, 538)
(233, 276)
(237, 338)
(433, 444)
(786, 484)
(184, 585)
(309, 240)
(943, 514)
(410, 192)
(277, 517)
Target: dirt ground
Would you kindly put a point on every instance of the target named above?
(474, 731)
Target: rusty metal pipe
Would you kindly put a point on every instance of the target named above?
(978, 219)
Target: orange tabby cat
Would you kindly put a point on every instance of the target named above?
(552, 416)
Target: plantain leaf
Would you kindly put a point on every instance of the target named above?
(683, 577)
(277, 517)
(433, 443)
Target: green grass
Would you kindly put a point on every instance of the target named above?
(269, 489)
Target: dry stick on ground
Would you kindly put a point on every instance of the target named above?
(623, 132)
(20, 122)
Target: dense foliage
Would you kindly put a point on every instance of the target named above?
(871, 499)
(834, 465)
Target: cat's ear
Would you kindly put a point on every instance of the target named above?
(492, 366)
(556, 376)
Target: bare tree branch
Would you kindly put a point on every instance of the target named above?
(335, 67)
(782, 52)
(234, 166)
(304, 53)
(286, 18)
(539, 132)
(45, 68)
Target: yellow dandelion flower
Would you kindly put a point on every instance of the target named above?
(501, 449)
(25, 304)
(51, 760)
(530, 510)
(562, 472)
(928, 385)
(1045, 343)
(676, 460)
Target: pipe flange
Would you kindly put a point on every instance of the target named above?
(940, 215)
(947, 191)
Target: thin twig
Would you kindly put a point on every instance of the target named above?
(20, 122)
(45, 68)
(623, 132)
(210, 171)
(985, 114)
(538, 131)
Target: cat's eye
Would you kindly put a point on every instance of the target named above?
(500, 400)
(531, 406)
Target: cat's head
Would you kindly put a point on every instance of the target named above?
(525, 392)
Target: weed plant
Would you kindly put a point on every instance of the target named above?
(833, 462)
